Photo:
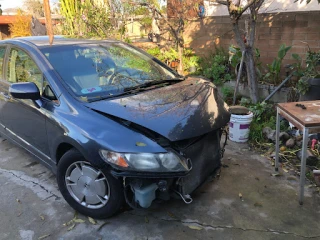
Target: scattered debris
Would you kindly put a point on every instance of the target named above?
(240, 196)
(276, 174)
(79, 220)
(44, 236)
(71, 227)
(195, 227)
(269, 133)
(290, 143)
(257, 204)
(140, 144)
(146, 220)
(316, 175)
(18, 200)
(283, 136)
(312, 160)
(91, 220)
(42, 217)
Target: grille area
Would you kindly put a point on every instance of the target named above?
(205, 157)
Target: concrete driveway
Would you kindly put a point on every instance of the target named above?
(32, 207)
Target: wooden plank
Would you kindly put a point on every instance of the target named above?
(309, 117)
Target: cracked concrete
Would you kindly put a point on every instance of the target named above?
(31, 205)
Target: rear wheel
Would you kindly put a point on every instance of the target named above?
(89, 190)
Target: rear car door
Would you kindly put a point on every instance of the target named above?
(22, 119)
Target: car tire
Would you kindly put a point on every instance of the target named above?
(83, 186)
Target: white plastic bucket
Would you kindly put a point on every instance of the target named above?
(239, 127)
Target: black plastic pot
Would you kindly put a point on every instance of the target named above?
(314, 90)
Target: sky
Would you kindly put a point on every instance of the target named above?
(15, 3)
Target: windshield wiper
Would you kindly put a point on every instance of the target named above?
(138, 88)
(153, 83)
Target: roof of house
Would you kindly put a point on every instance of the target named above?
(7, 19)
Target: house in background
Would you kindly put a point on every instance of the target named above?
(279, 21)
(5, 20)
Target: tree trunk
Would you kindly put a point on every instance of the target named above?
(249, 58)
(251, 74)
(180, 52)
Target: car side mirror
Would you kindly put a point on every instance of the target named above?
(25, 90)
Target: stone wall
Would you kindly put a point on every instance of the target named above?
(296, 29)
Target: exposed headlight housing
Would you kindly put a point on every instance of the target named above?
(151, 162)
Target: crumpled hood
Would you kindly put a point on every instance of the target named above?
(180, 111)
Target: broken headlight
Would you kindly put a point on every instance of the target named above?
(151, 162)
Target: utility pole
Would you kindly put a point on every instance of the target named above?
(47, 13)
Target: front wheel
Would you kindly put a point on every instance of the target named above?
(90, 191)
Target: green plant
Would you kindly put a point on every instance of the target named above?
(274, 69)
(235, 56)
(310, 71)
(216, 67)
(227, 92)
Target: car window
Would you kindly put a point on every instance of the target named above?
(21, 68)
(94, 71)
(47, 91)
(2, 53)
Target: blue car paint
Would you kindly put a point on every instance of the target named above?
(87, 127)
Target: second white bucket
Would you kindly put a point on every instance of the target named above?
(239, 127)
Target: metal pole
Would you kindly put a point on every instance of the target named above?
(276, 164)
(238, 77)
(303, 163)
(280, 86)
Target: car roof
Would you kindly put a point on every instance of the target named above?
(42, 41)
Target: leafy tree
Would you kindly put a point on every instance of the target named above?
(175, 25)
(21, 26)
(34, 7)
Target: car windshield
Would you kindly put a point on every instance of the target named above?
(97, 71)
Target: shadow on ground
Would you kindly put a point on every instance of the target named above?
(32, 207)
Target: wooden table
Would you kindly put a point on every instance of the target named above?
(308, 121)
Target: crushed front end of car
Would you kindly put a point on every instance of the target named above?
(186, 120)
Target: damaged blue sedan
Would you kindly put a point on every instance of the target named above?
(113, 123)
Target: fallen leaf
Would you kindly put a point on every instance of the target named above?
(146, 219)
(18, 200)
(68, 223)
(258, 204)
(140, 144)
(79, 220)
(91, 220)
(276, 174)
(240, 195)
(44, 236)
(195, 227)
(71, 227)
(42, 217)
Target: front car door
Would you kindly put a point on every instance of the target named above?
(3, 84)
(24, 122)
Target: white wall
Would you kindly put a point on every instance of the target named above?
(270, 6)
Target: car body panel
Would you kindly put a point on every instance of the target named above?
(180, 111)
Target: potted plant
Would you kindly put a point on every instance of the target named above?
(309, 82)
(193, 63)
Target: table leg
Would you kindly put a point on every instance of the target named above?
(303, 163)
(276, 164)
